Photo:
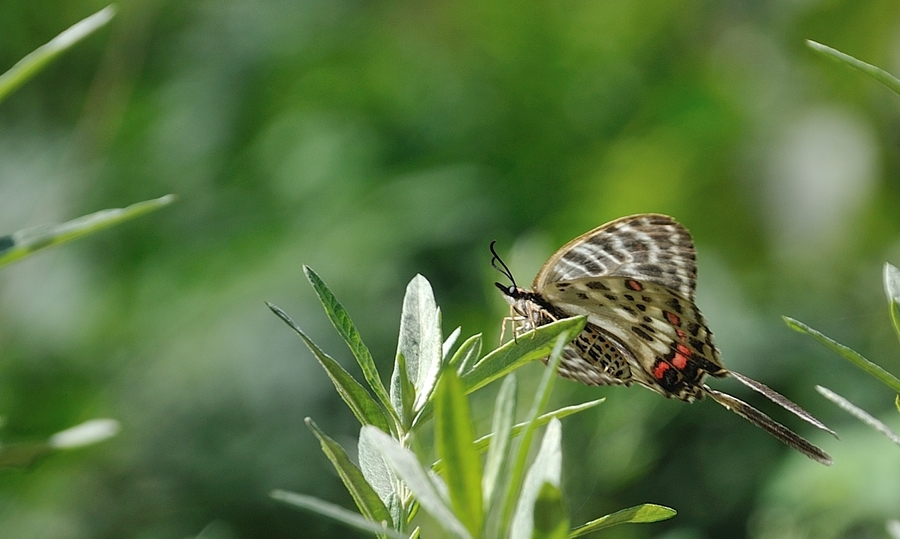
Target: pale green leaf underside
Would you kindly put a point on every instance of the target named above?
(336, 512)
(32, 63)
(24, 242)
(639, 514)
(546, 468)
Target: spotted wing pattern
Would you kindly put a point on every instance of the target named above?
(648, 247)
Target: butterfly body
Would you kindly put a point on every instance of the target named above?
(634, 279)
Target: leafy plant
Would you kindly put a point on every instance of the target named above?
(18, 245)
(468, 495)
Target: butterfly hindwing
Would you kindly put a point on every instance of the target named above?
(665, 334)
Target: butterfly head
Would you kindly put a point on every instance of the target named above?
(511, 291)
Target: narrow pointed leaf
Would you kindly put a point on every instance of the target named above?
(32, 63)
(449, 342)
(533, 345)
(335, 512)
(380, 477)
(550, 518)
(542, 396)
(876, 73)
(341, 321)
(546, 468)
(24, 242)
(859, 413)
(467, 354)
(454, 435)
(639, 514)
(853, 357)
(486, 441)
(367, 500)
(501, 428)
(363, 406)
(407, 467)
(402, 392)
(892, 290)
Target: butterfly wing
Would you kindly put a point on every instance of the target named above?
(662, 335)
(648, 247)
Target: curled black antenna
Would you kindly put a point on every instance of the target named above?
(502, 267)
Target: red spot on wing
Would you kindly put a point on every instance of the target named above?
(660, 370)
(680, 333)
(683, 350)
(634, 285)
(673, 318)
(680, 361)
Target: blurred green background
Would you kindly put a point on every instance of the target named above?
(377, 140)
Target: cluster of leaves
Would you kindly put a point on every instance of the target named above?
(502, 497)
(18, 245)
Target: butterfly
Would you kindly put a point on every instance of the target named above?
(634, 279)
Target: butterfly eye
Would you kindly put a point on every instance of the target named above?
(510, 290)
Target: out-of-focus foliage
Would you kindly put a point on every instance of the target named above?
(375, 141)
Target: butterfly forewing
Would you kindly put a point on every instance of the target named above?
(648, 247)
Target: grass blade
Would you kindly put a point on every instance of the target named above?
(363, 406)
(453, 437)
(341, 321)
(24, 242)
(859, 413)
(850, 355)
(533, 345)
(31, 64)
(368, 501)
(876, 73)
(639, 514)
(485, 441)
(335, 512)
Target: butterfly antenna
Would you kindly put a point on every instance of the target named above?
(502, 267)
(769, 425)
(782, 401)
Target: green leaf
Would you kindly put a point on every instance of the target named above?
(546, 468)
(876, 73)
(454, 435)
(24, 242)
(363, 406)
(87, 433)
(341, 321)
(23, 455)
(420, 339)
(859, 413)
(336, 512)
(31, 64)
(542, 396)
(887, 378)
(892, 290)
(466, 355)
(449, 342)
(501, 428)
(533, 345)
(404, 463)
(485, 441)
(551, 521)
(368, 501)
(382, 480)
(639, 514)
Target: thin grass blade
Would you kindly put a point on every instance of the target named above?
(486, 441)
(853, 357)
(363, 406)
(876, 73)
(335, 512)
(453, 437)
(20, 244)
(639, 514)
(34, 62)
(859, 413)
